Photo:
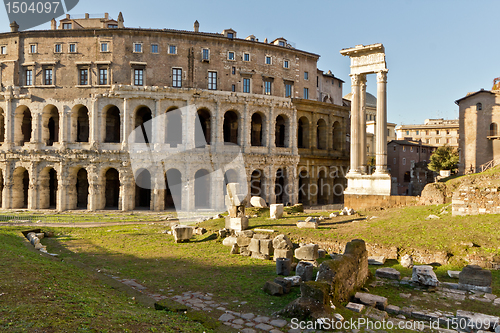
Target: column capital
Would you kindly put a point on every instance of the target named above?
(382, 76)
(357, 79)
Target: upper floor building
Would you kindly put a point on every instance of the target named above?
(435, 132)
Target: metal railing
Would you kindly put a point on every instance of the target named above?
(489, 165)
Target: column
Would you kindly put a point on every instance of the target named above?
(33, 194)
(124, 118)
(94, 123)
(63, 128)
(7, 186)
(355, 89)
(62, 188)
(362, 124)
(95, 202)
(8, 136)
(381, 130)
(245, 126)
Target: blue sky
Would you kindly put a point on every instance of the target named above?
(436, 51)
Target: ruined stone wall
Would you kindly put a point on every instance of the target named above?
(378, 201)
(469, 200)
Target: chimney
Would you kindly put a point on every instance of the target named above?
(106, 16)
(14, 27)
(68, 16)
(87, 16)
(53, 24)
(120, 20)
(196, 26)
(265, 40)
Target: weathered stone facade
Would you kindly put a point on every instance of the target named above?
(469, 200)
(70, 98)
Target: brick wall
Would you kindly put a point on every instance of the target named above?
(469, 200)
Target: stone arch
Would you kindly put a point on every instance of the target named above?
(111, 120)
(82, 189)
(303, 133)
(304, 188)
(493, 129)
(143, 189)
(321, 134)
(173, 189)
(257, 129)
(20, 188)
(202, 135)
(323, 188)
(281, 132)
(2, 125)
(48, 188)
(338, 190)
(257, 188)
(279, 185)
(112, 189)
(142, 117)
(231, 127)
(50, 125)
(173, 127)
(23, 125)
(80, 125)
(202, 189)
(337, 136)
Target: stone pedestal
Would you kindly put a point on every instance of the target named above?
(376, 184)
(276, 211)
(236, 223)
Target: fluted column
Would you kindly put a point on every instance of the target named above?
(362, 123)
(355, 89)
(381, 131)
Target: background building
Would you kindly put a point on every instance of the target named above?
(72, 95)
(434, 132)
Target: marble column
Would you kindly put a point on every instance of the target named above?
(362, 124)
(381, 130)
(355, 89)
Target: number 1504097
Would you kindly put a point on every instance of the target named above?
(31, 7)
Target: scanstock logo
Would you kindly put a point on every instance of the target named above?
(29, 14)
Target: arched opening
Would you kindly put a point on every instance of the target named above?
(280, 133)
(112, 191)
(20, 188)
(22, 128)
(112, 124)
(279, 185)
(493, 129)
(323, 188)
(231, 127)
(202, 189)
(142, 121)
(321, 136)
(202, 136)
(173, 189)
(257, 184)
(230, 176)
(82, 189)
(338, 190)
(303, 133)
(173, 127)
(80, 130)
(256, 129)
(337, 136)
(143, 189)
(48, 188)
(50, 125)
(2, 125)
(407, 177)
(304, 187)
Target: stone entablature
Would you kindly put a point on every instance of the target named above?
(469, 200)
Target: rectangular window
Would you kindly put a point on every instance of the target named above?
(288, 90)
(418, 132)
(103, 76)
(306, 93)
(137, 48)
(104, 47)
(3, 49)
(230, 35)
(29, 77)
(177, 77)
(306, 75)
(48, 77)
(172, 49)
(286, 64)
(404, 148)
(246, 85)
(212, 80)
(268, 60)
(57, 48)
(154, 48)
(437, 140)
(112, 26)
(84, 76)
(233, 87)
(267, 87)
(230, 55)
(139, 77)
(407, 132)
(67, 25)
(33, 48)
(246, 57)
(437, 131)
(205, 54)
(72, 48)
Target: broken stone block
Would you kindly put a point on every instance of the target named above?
(245, 233)
(295, 280)
(40, 235)
(304, 269)
(258, 202)
(235, 249)
(272, 288)
(236, 223)
(261, 236)
(425, 276)
(477, 321)
(245, 252)
(388, 273)
(199, 231)
(243, 241)
(311, 219)
(282, 242)
(454, 274)
(307, 252)
(355, 307)
(266, 246)
(334, 214)
(182, 233)
(392, 309)
(376, 260)
(315, 290)
(276, 211)
(377, 315)
(234, 195)
(307, 225)
(257, 255)
(286, 284)
(229, 241)
(371, 300)
(321, 253)
(282, 253)
(254, 245)
(283, 266)
(406, 261)
(475, 275)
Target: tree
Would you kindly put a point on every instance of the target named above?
(444, 158)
